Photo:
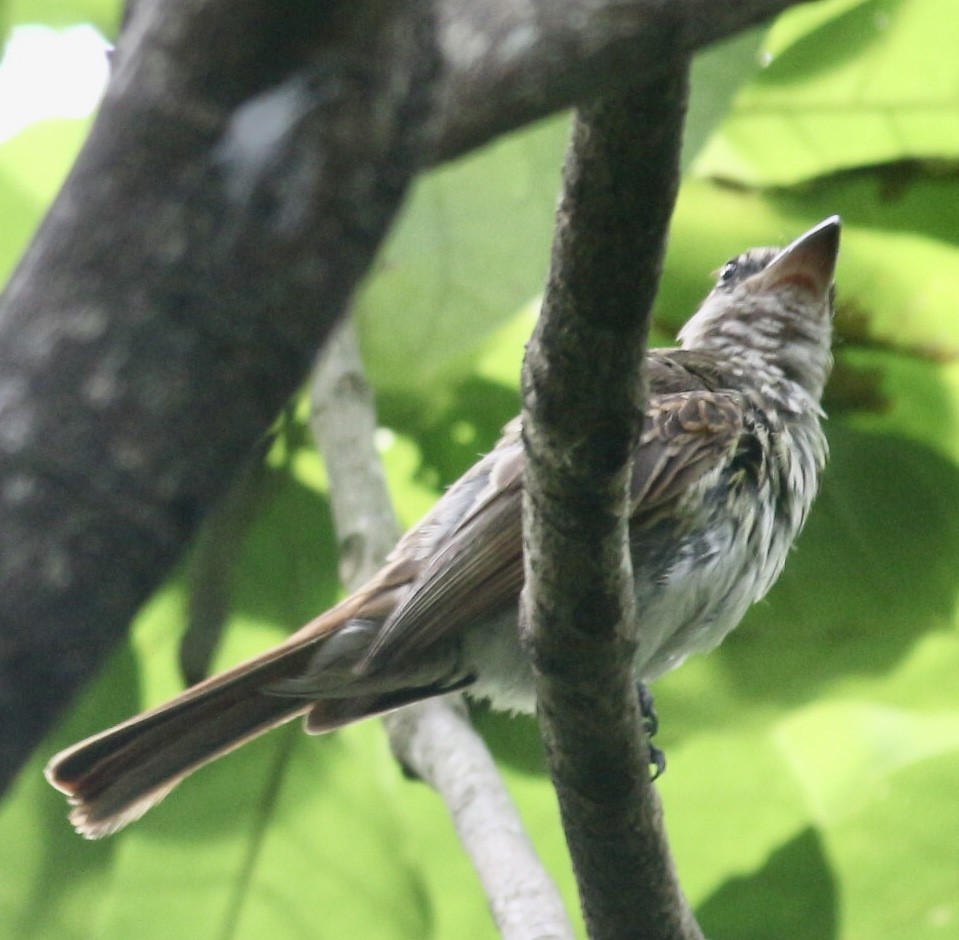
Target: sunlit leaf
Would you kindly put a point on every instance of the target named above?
(844, 752)
(470, 249)
(852, 92)
(104, 14)
(717, 74)
(896, 856)
(32, 168)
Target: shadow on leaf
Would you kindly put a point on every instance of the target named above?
(793, 895)
(850, 32)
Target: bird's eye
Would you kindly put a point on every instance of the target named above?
(728, 272)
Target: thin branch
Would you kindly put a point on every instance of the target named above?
(584, 402)
(434, 740)
(343, 420)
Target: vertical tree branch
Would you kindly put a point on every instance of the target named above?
(584, 402)
(434, 739)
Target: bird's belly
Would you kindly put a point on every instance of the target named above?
(504, 677)
(714, 578)
(683, 606)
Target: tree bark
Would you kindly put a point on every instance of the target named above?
(244, 166)
(584, 402)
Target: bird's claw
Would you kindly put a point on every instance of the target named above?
(647, 707)
(657, 760)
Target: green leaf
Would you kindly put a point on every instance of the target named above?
(288, 837)
(21, 215)
(717, 74)
(471, 248)
(896, 857)
(33, 166)
(850, 92)
(728, 797)
(104, 14)
(38, 159)
(843, 751)
(793, 894)
(54, 883)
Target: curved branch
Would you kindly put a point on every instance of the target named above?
(437, 742)
(584, 402)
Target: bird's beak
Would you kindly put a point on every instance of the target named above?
(809, 262)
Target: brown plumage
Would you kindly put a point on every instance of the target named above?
(723, 478)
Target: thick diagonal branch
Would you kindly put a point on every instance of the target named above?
(246, 161)
(584, 402)
(509, 62)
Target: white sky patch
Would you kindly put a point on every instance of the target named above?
(48, 73)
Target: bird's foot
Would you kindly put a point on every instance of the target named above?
(647, 707)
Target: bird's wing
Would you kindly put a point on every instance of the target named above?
(469, 556)
(470, 546)
(686, 435)
(695, 422)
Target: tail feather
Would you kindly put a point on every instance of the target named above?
(114, 777)
(330, 714)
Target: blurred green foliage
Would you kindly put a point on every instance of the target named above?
(814, 759)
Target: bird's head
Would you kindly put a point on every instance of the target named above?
(771, 310)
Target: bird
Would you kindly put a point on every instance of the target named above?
(723, 477)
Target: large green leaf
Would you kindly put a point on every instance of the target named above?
(471, 247)
(288, 837)
(877, 83)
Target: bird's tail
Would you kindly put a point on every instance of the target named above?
(114, 777)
